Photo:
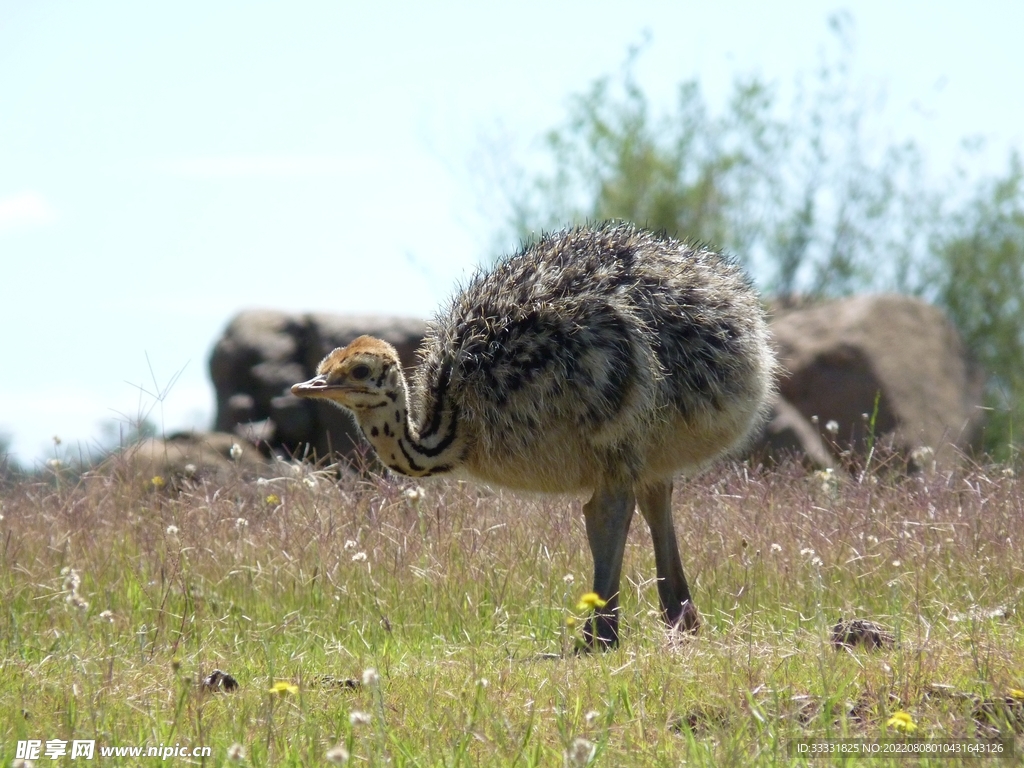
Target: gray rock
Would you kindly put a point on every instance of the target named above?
(273, 378)
(188, 456)
(252, 358)
(240, 408)
(293, 418)
(788, 432)
(840, 355)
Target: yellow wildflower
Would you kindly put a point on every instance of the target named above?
(570, 622)
(158, 481)
(1016, 693)
(901, 721)
(284, 688)
(590, 601)
(273, 499)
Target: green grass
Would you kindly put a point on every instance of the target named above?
(460, 600)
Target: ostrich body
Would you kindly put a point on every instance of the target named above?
(599, 359)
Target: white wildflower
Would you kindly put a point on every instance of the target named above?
(107, 616)
(359, 718)
(236, 451)
(172, 530)
(190, 470)
(415, 495)
(241, 522)
(829, 481)
(370, 677)
(832, 427)
(72, 579)
(336, 755)
(236, 753)
(350, 544)
(776, 547)
(922, 454)
(569, 579)
(591, 716)
(580, 753)
(359, 557)
(807, 551)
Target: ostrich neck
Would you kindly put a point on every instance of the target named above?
(403, 445)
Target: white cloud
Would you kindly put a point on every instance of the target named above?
(25, 209)
(247, 166)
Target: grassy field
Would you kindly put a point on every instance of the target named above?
(118, 597)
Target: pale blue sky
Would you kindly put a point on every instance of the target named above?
(164, 166)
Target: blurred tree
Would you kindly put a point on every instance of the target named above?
(685, 174)
(798, 199)
(978, 277)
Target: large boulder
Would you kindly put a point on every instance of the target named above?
(189, 456)
(262, 353)
(789, 433)
(842, 357)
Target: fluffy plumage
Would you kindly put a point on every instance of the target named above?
(602, 359)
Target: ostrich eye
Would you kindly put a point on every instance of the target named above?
(360, 372)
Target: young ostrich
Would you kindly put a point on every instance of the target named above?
(599, 359)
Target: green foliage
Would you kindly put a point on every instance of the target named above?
(978, 271)
(690, 173)
(797, 196)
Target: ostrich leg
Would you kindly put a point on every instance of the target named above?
(655, 503)
(607, 514)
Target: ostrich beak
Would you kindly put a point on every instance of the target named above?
(315, 387)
